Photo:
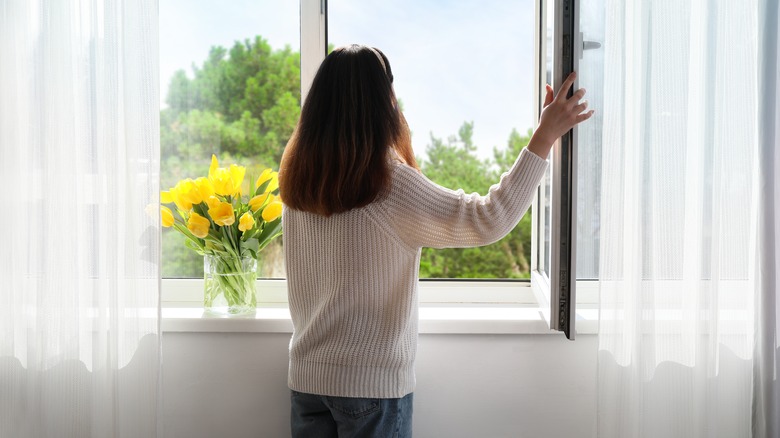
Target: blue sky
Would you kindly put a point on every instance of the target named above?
(453, 61)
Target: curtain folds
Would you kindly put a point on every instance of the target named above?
(79, 160)
(766, 385)
(684, 141)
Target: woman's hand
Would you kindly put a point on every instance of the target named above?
(559, 115)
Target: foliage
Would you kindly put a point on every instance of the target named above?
(455, 164)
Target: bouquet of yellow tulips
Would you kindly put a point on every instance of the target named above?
(227, 228)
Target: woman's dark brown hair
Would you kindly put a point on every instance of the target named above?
(338, 157)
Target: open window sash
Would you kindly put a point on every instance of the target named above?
(554, 232)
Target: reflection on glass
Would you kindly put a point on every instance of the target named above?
(547, 184)
(550, 19)
(230, 84)
(590, 76)
(464, 76)
(546, 253)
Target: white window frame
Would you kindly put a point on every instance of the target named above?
(587, 291)
(188, 292)
(540, 281)
(314, 42)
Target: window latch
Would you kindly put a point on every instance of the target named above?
(588, 45)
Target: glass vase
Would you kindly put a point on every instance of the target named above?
(229, 285)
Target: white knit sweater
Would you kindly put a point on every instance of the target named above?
(352, 277)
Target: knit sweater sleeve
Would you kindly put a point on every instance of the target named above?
(424, 214)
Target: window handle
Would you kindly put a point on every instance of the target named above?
(588, 45)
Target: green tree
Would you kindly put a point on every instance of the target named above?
(517, 245)
(454, 164)
(243, 102)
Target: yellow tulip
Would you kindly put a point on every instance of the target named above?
(222, 183)
(205, 189)
(167, 216)
(192, 192)
(268, 175)
(222, 214)
(237, 175)
(265, 175)
(185, 194)
(214, 165)
(166, 197)
(246, 222)
(212, 201)
(226, 181)
(272, 211)
(198, 225)
(257, 202)
(274, 184)
(181, 203)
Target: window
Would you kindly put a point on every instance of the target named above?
(233, 78)
(589, 57)
(465, 81)
(591, 77)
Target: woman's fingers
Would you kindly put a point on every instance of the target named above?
(584, 116)
(565, 86)
(549, 96)
(577, 96)
(561, 113)
(581, 107)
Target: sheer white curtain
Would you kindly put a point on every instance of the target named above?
(679, 230)
(766, 385)
(79, 268)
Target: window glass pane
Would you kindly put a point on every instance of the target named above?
(545, 191)
(464, 74)
(591, 77)
(230, 86)
(546, 244)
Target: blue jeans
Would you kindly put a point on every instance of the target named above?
(319, 416)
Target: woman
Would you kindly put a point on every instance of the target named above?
(358, 211)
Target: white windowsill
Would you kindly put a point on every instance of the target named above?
(446, 307)
(439, 319)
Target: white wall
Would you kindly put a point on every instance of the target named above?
(475, 386)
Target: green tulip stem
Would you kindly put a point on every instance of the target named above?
(228, 277)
